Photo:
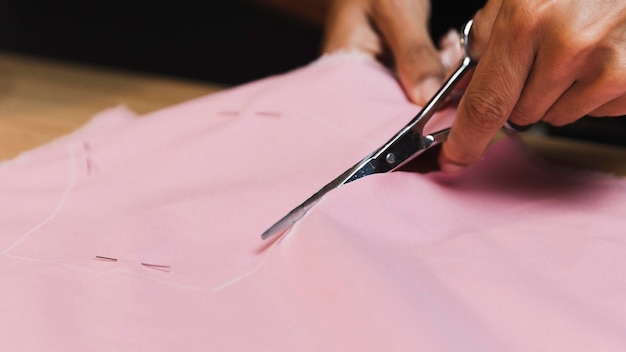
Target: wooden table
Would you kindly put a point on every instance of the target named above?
(42, 99)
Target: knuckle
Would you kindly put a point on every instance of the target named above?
(604, 71)
(485, 111)
(419, 52)
(606, 82)
(528, 20)
(576, 46)
(418, 61)
(481, 33)
(521, 18)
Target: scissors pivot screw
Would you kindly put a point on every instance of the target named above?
(390, 158)
(408, 143)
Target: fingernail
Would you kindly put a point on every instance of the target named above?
(427, 88)
(453, 37)
(451, 168)
(450, 39)
(450, 55)
(447, 57)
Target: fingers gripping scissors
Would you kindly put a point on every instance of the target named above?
(407, 144)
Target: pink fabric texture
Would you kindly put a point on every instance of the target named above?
(508, 255)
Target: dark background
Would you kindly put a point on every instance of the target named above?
(227, 41)
(224, 41)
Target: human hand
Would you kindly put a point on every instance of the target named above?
(540, 60)
(373, 26)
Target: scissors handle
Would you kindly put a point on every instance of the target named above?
(410, 141)
(407, 144)
(440, 96)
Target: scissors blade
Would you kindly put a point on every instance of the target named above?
(407, 144)
(398, 151)
(357, 171)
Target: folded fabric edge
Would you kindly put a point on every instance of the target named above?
(112, 117)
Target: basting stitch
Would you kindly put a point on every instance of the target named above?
(268, 113)
(89, 165)
(106, 259)
(160, 267)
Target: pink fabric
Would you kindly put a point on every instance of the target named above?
(509, 255)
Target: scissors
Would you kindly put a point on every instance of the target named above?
(407, 144)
